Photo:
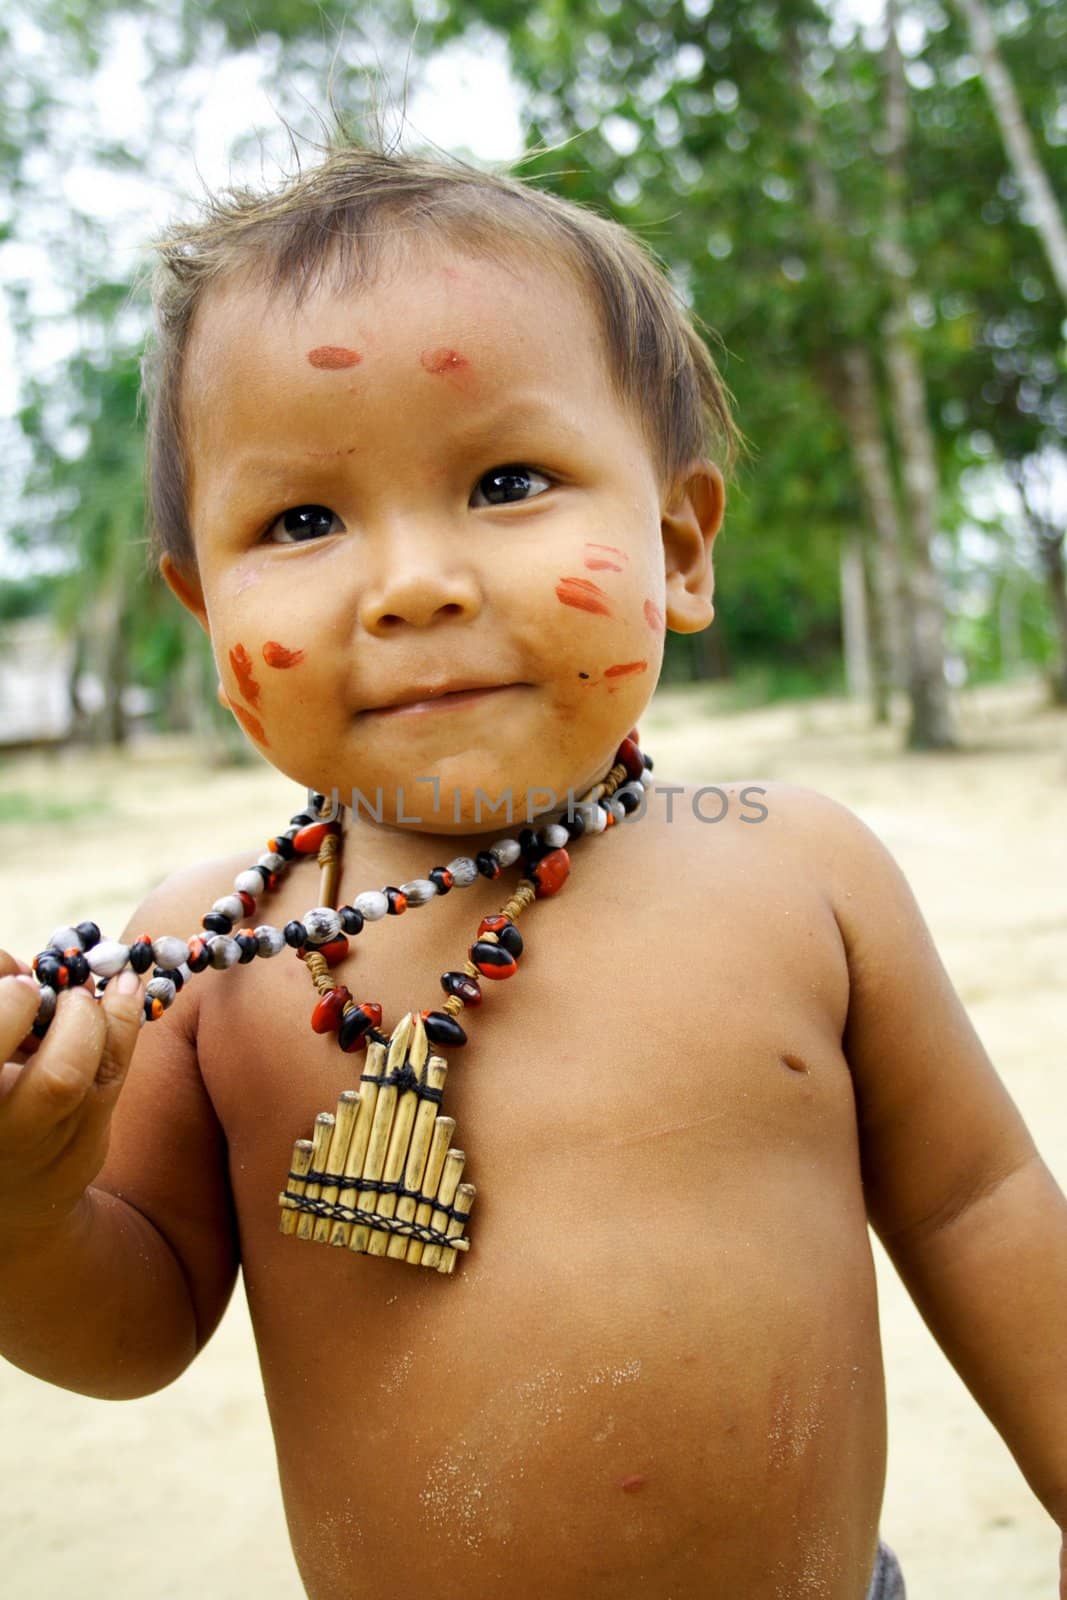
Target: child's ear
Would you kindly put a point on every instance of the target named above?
(184, 584)
(689, 522)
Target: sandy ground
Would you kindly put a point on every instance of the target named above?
(174, 1497)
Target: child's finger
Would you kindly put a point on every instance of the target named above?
(10, 965)
(123, 1009)
(55, 1081)
(20, 999)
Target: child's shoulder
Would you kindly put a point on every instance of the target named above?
(178, 903)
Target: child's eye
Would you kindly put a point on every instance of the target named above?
(506, 484)
(301, 523)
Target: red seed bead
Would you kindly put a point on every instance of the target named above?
(492, 960)
(326, 1017)
(550, 873)
(630, 756)
(634, 735)
(494, 923)
(331, 953)
(308, 841)
(248, 903)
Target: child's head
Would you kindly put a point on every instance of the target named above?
(414, 425)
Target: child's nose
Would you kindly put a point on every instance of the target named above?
(419, 590)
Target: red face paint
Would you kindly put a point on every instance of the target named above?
(625, 668)
(601, 557)
(250, 724)
(654, 617)
(276, 655)
(241, 662)
(584, 595)
(332, 357)
(441, 362)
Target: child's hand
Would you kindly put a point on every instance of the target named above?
(55, 1106)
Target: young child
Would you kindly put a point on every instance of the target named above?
(430, 462)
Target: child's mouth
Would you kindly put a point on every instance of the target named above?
(453, 700)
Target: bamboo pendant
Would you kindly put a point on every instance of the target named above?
(379, 1176)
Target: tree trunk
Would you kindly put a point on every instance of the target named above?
(931, 725)
(1049, 540)
(1018, 140)
(854, 625)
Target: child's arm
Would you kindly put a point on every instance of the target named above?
(112, 1276)
(969, 1213)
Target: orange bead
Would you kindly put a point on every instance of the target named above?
(308, 841)
(550, 873)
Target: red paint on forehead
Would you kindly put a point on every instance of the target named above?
(583, 595)
(624, 668)
(333, 357)
(250, 724)
(654, 617)
(241, 662)
(276, 655)
(440, 362)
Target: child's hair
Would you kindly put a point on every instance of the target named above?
(338, 214)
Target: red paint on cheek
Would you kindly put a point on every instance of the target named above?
(250, 724)
(441, 362)
(654, 617)
(633, 1483)
(624, 668)
(333, 357)
(276, 655)
(599, 557)
(241, 662)
(583, 595)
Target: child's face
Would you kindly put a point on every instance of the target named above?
(422, 483)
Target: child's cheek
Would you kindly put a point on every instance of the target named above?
(246, 702)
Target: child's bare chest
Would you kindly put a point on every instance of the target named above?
(660, 1128)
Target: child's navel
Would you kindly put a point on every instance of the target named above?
(241, 662)
(584, 595)
(443, 361)
(276, 655)
(333, 357)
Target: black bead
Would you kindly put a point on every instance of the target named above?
(437, 877)
(487, 864)
(295, 934)
(217, 922)
(199, 960)
(46, 966)
(468, 989)
(393, 898)
(354, 1025)
(575, 825)
(170, 972)
(647, 760)
(511, 939)
(264, 872)
(88, 933)
(284, 848)
(77, 969)
(628, 800)
(248, 945)
(351, 919)
(302, 819)
(443, 1029)
(491, 954)
(141, 957)
(527, 837)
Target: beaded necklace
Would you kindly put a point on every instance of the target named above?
(379, 1176)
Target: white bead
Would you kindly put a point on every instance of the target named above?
(418, 891)
(322, 924)
(248, 883)
(229, 906)
(169, 952)
(107, 958)
(594, 816)
(65, 939)
(463, 870)
(614, 807)
(271, 860)
(225, 952)
(556, 835)
(271, 941)
(46, 1007)
(161, 989)
(646, 780)
(507, 851)
(184, 972)
(372, 904)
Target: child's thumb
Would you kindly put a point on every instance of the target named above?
(123, 1009)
